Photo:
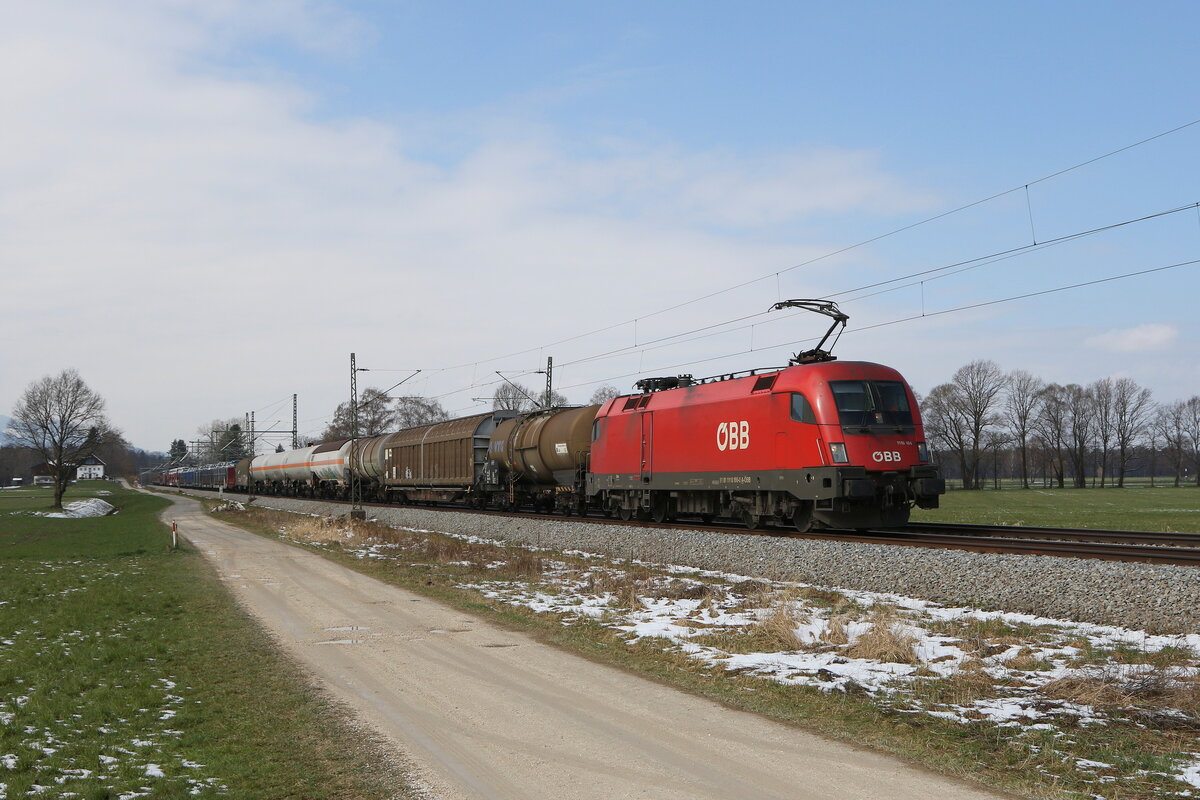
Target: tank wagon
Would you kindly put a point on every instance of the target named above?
(818, 443)
(540, 460)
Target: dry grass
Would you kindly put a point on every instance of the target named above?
(886, 640)
(835, 631)
(524, 564)
(1129, 685)
(1028, 661)
(678, 589)
(776, 631)
(962, 687)
(625, 586)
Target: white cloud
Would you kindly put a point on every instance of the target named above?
(157, 206)
(1151, 336)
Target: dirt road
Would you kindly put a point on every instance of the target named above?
(488, 713)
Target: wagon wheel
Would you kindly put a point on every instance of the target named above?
(626, 514)
(802, 517)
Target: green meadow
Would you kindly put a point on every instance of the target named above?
(127, 670)
(1142, 508)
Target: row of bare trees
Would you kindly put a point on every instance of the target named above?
(1103, 431)
(378, 413)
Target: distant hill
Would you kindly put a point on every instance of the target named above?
(4, 423)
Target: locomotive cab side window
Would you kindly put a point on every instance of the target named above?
(865, 406)
(802, 410)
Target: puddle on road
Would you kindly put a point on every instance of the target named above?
(349, 628)
(497, 645)
(341, 641)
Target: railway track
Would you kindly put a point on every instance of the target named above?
(1182, 549)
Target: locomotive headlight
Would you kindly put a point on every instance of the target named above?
(838, 451)
(922, 453)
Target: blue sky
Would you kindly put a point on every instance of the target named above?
(266, 187)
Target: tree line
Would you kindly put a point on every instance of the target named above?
(985, 422)
(378, 413)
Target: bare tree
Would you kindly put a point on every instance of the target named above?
(1020, 404)
(223, 440)
(1169, 426)
(945, 425)
(1102, 396)
(375, 416)
(62, 420)
(513, 397)
(1191, 425)
(964, 410)
(603, 394)
(1050, 424)
(1132, 405)
(1079, 418)
(413, 411)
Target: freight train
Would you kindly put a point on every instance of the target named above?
(819, 443)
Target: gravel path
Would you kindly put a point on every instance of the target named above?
(484, 713)
(1155, 598)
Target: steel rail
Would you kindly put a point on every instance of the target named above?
(979, 540)
(1070, 534)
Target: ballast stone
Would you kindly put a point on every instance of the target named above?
(1156, 598)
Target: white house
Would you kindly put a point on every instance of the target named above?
(91, 468)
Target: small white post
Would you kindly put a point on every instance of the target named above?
(174, 534)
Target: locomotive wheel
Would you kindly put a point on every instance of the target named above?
(660, 509)
(751, 520)
(802, 517)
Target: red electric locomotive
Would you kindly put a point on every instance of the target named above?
(820, 442)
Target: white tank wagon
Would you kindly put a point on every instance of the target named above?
(330, 466)
(288, 471)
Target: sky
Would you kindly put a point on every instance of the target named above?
(208, 205)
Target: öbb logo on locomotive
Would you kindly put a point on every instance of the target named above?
(886, 456)
(733, 435)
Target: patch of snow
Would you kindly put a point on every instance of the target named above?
(92, 507)
(1191, 774)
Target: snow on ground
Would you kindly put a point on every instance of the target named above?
(133, 747)
(92, 507)
(1034, 677)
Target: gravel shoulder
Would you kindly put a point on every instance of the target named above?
(485, 712)
(1151, 597)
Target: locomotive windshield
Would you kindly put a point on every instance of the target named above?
(865, 406)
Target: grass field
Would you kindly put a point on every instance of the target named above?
(1046, 710)
(1143, 509)
(127, 671)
